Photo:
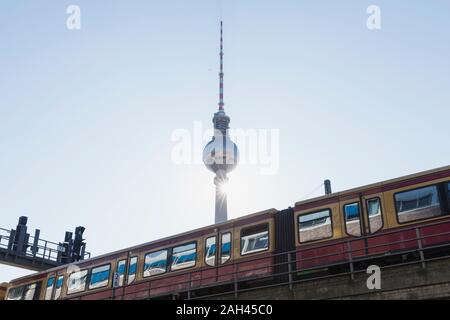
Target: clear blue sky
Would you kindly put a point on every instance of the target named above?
(86, 116)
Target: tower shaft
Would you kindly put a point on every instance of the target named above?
(221, 210)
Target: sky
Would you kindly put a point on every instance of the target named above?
(87, 116)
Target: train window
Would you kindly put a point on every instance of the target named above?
(374, 214)
(32, 291)
(99, 277)
(255, 239)
(77, 282)
(210, 251)
(132, 266)
(352, 219)
(59, 284)
(225, 250)
(49, 288)
(417, 204)
(315, 226)
(155, 263)
(120, 270)
(183, 256)
(15, 293)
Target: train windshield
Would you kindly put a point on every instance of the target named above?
(27, 292)
(15, 293)
(32, 291)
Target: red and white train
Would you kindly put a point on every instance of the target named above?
(407, 218)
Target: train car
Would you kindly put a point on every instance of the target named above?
(3, 288)
(383, 219)
(210, 256)
(403, 218)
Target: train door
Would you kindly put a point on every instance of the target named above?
(355, 225)
(225, 270)
(49, 287)
(53, 287)
(373, 216)
(217, 252)
(210, 249)
(363, 218)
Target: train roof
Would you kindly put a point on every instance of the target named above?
(373, 185)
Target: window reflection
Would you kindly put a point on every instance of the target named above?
(26, 292)
(132, 267)
(225, 250)
(448, 191)
(210, 251)
(77, 282)
(99, 277)
(121, 271)
(155, 263)
(30, 291)
(183, 256)
(352, 219)
(315, 226)
(254, 239)
(49, 288)
(15, 293)
(59, 284)
(374, 214)
(417, 204)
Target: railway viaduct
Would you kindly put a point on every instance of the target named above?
(426, 280)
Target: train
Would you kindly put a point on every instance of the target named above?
(3, 288)
(405, 219)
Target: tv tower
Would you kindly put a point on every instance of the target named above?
(221, 155)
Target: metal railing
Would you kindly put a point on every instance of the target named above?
(36, 248)
(348, 260)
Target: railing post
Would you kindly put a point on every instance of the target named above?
(350, 260)
(419, 244)
(289, 259)
(82, 252)
(12, 235)
(235, 282)
(36, 242)
(45, 250)
(189, 286)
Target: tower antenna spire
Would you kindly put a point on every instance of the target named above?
(221, 104)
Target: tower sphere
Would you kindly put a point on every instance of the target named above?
(220, 155)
